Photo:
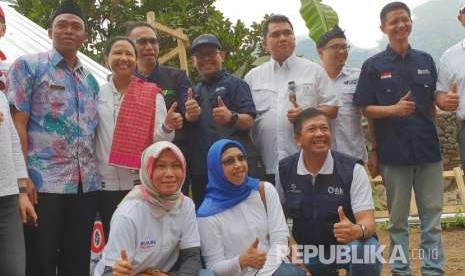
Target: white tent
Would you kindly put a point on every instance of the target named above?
(26, 37)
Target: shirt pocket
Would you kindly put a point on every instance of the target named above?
(307, 95)
(262, 98)
(387, 92)
(52, 92)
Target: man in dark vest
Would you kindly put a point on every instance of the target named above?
(328, 196)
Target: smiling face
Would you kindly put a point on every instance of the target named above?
(167, 173)
(280, 41)
(235, 166)
(334, 53)
(208, 60)
(122, 59)
(314, 136)
(68, 33)
(397, 25)
(147, 44)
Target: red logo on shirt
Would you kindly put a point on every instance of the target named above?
(386, 75)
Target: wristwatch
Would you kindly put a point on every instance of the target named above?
(234, 118)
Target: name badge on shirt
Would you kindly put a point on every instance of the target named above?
(423, 72)
(385, 75)
(56, 86)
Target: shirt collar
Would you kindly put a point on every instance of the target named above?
(152, 76)
(56, 59)
(287, 64)
(393, 55)
(327, 168)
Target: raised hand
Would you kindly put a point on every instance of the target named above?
(193, 110)
(221, 114)
(345, 231)
(173, 119)
(451, 99)
(123, 266)
(405, 106)
(253, 257)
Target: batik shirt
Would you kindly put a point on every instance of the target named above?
(62, 109)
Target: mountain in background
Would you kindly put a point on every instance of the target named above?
(435, 28)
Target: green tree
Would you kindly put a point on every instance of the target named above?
(107, 18)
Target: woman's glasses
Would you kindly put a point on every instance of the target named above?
(232, 160)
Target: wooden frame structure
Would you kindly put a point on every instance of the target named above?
(181, 38)
(456, 173)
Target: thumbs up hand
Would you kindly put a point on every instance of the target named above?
(173, 119)
(451, 99)
(345, 231)
(123, 266)
(253, 257)
(192, 107)
(221, 114)
(406, 106)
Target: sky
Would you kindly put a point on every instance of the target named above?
(360, 18)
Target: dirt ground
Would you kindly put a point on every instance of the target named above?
(454, 245)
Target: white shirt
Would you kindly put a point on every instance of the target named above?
(273, 133)
(152, 237)
(347, 126)
(109, 101)
(226, 235)
(451, 68)
(360, 188)
(12, 164)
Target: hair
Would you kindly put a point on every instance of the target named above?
(274, 18)
(115, 39)
(308, 113)
(130, 26)
(393, 6)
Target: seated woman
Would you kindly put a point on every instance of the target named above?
(154, 229)
(241, 221)
(122, 134)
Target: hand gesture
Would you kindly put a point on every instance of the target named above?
(122, 267)
(451, 99)
(345, 231)
(406, 106)
(294, 111)
(192, 107)
(221, 114)
(253, 257)
(173, 119)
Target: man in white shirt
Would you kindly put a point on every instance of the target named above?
(269, 84)
(450, 94)
(333, 51)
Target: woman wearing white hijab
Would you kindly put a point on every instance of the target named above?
(154, 229)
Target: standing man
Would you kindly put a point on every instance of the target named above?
(54, 107)
(347, 126)
(227, 110)
(396, 90)
(276, 109)
(451, 83)
(174, 83)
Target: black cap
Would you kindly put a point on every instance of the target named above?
(205, 39)
(335, 32)
(68, 6)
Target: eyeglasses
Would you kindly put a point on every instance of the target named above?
(145, 40)
(338, 47)
(232, 160)
(201, 55)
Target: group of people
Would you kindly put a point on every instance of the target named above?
(283, 147)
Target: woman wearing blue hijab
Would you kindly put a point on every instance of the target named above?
(241, 222)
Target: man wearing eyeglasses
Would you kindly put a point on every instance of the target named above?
(227, 110)
(347, 126)
(174, 83)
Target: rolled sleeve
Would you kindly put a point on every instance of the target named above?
(326, 91)
(244, 100)
(19, 85)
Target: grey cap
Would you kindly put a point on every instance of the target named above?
(205, 39)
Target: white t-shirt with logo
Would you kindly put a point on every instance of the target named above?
(151, 236)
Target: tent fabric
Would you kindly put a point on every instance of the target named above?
(26, 37)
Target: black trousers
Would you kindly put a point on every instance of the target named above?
(61, 241)
(198, 184)
(108, 201)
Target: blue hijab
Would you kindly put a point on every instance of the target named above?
(220, 193)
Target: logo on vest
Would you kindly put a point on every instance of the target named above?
(335, 191)
(147, 244)
(293, 188)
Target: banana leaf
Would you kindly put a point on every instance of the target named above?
(319, 18)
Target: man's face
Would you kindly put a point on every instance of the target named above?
(147, 44)
(280, 41)
(67, 32)
(397, 25)
(315, 136)
(461, 17)
(334, 53)
(208, 60)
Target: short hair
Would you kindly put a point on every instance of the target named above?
(115, 39)
(308, 113)
(393, 6)
(274, 18)
(133, 25)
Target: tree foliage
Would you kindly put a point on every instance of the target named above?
(107, 18)
(319, 18)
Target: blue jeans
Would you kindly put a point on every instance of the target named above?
(359, 269)
(426, 181)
